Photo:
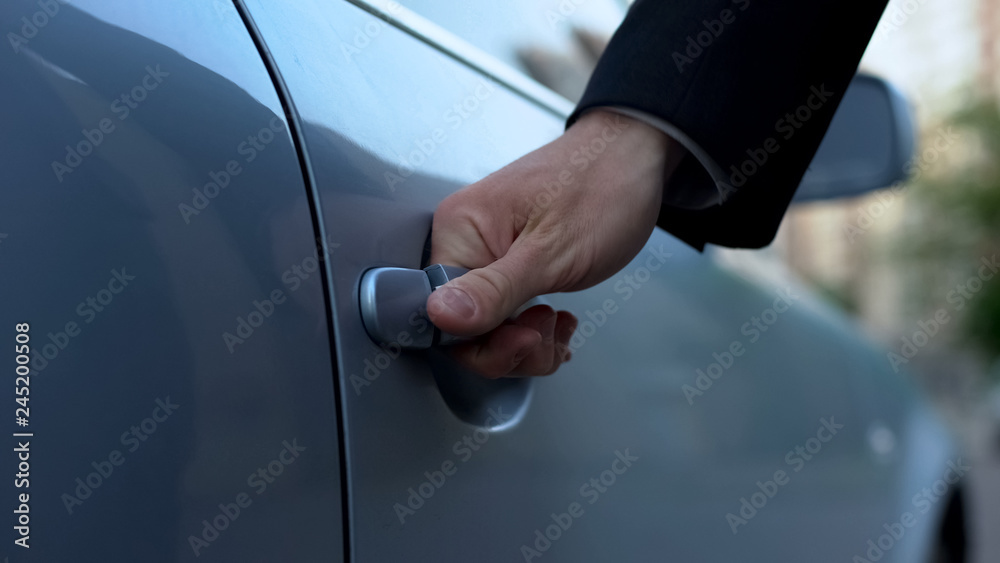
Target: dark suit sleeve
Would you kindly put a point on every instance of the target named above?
(754, 83)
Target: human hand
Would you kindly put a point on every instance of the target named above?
(562, 218)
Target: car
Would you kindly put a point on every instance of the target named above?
(193, 194)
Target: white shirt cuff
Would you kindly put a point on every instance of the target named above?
(677, 196)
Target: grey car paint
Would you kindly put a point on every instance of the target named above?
(391, 125)
(501, 458)
(166, 285)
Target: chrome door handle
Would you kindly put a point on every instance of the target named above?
(394, 305)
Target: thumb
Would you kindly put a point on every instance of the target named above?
(482, 299)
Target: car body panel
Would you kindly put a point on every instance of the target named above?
(167, 284)
(386, 126)
(381, 115)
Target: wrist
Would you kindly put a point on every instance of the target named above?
(611, 126)
(608, 140)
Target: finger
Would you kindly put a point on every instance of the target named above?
(483, 298)
(566, 324)
(543, 358)
(495, 356)
(498, 353)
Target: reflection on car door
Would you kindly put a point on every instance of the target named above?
(612, 459)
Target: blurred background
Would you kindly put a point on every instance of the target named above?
(894, 259)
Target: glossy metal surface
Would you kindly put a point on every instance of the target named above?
(391, 304)
(392, 125)
(147, 288)
(429, 32)
(394, 306)
(168, 270)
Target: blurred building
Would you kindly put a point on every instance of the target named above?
(940, 55)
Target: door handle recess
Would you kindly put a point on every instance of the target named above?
(394, 305)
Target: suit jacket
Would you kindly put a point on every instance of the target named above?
(754, 83)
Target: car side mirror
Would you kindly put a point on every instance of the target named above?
(866, 147)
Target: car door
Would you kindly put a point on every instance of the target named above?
(690, 389)
(179, 403)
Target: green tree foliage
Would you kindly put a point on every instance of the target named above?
(956, 221)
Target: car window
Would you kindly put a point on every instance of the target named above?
(556, 42)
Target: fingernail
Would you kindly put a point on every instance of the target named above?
(457, 301)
